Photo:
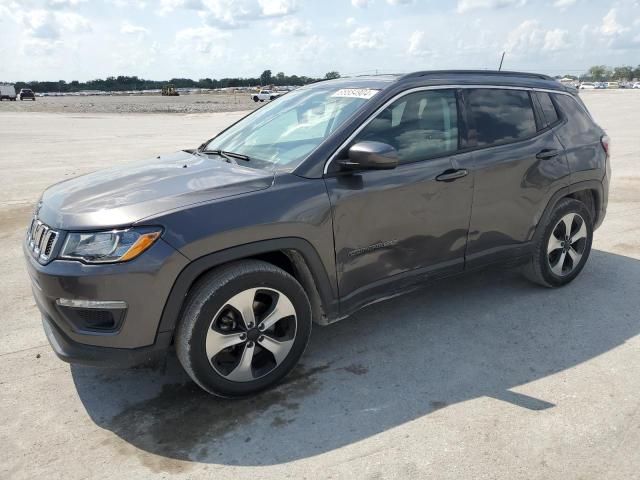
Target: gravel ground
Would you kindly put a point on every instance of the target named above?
(484, 376)
(195, 103)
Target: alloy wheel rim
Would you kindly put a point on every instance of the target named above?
(567, 244)
(251, 334)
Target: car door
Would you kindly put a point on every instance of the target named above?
(518, 164)
(393, 226)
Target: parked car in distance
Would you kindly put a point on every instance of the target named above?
(338, 195)
(7, 92)
(636, 85)
(587, 86)
(263, 95)
(27, 93)
(613, 85)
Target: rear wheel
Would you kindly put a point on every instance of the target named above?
(562, 251)
(244, 327)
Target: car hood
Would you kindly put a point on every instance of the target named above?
(123, 195)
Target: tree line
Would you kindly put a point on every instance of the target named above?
(603, 73)
(125, 83)
(597, 73)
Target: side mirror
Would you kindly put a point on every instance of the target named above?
(371, 156)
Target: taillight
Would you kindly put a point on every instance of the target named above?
(606, 144)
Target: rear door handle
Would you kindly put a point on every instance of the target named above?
(547, 153)
(451, 175)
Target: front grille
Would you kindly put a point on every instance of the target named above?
(41, 240)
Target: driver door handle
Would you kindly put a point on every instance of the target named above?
(451, 175)
(547, 153)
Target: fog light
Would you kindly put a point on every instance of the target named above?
(102, 304)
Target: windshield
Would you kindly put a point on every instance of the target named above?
(285, 131)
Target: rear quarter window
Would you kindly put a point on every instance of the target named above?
(548, 108)
(501, 116)
(574, 113)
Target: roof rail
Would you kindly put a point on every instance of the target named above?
(435, 73)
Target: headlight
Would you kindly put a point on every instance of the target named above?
(107, 247)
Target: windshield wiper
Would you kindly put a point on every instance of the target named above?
(227, 155)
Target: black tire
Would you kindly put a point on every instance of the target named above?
(255, 99)
(209, 297)
(272, 98)
(539, 269)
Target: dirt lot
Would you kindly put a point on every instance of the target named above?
(195, 103)
(485, 376)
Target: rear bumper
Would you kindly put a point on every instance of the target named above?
(74, 352)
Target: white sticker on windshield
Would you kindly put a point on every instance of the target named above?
(366, 93)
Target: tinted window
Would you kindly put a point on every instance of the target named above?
(420, 125)
(501, 116)
(548, 108)
(574, 112)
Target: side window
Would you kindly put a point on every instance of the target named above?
(420, 125)
(548, 108)
(574, 112)
(501, 116)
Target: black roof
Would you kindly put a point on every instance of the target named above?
(477, 73)
(458, 77)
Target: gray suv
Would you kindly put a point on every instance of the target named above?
(335, 196)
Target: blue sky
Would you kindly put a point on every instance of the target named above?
(85, 39)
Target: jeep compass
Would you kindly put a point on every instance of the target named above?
(332, 197)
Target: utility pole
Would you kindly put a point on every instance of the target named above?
(501, 60)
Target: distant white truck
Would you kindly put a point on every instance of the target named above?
(263, 95)
(7, 92)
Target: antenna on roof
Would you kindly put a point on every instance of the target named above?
(501, 60)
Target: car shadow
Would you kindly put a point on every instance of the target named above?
(479, 335)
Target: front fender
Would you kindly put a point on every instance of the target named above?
(196, 268)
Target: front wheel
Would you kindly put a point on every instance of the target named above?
(562, 251)
(255, 99)
(245, 326)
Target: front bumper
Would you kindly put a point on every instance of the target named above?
(74, 352)
(143, 284)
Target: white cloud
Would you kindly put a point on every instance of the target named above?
(278, 8)
(65, 3)
(51, 25)
(360, 3)
(555, 40)
(131, 29)
(467, 5)
(400, 2)
(365, 38)
(529, 38)
(141, 5)
(610, 25)
(564, 3)
(202, 40)
(73, 22)
(292, 26)
(167, 6)
(232, 14)
(417, 44)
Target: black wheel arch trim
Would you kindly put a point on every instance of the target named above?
(566, 191)
(303, 256)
